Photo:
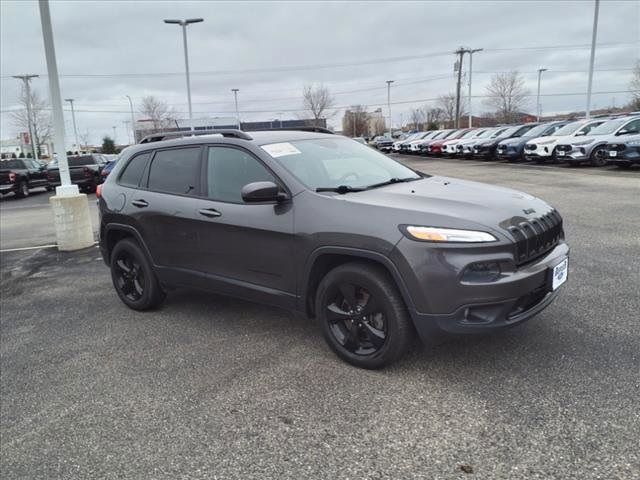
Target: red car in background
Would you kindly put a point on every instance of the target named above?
(437, 147)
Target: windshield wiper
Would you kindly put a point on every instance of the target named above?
(391, 181)
(341, 189)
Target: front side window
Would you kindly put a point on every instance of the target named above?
(631, 127)
(609, 127)
(175, 171)
(335, 162)
(132, 173)
(230, 169)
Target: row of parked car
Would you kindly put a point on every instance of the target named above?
(596, 141)
(20, 175)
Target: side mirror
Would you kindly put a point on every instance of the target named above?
(581, 134)
(623, 132)
(257, 192)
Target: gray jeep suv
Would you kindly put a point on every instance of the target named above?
(322, 225)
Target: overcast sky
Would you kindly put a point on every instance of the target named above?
(270, 50)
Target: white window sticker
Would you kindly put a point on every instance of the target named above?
(280, 149)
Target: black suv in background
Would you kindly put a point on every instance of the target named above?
(330, 228)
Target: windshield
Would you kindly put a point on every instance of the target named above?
(537, 131)
(608, 127)
(470, 134)
(568, 129)
(504, 132)
(487, 133)
(335, 162)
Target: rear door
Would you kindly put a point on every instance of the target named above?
(37, 173)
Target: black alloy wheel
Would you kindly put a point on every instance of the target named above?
(363, 316)
(133, 277)
(598, 157)
(129, 276)
(356, 320)
(23, 189)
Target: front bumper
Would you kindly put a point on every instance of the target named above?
(442, 303)
(8, 188)
(508, 154)
(626, 156)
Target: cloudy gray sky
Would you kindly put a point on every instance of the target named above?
(270, 50)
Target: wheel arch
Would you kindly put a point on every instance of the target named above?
(324, 259)
(114, 232)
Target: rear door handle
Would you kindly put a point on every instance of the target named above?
(209, 212)
(140, 203)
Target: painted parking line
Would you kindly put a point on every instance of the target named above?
(28, 248)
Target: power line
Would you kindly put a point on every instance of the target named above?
(289, 68)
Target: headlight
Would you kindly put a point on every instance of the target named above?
(633, 143)
(584, 142)
(438, 234)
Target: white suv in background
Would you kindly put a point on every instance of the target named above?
(542, 149)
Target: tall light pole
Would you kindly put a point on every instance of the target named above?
(114, 134)
(27, 90)
(594, 35)
(126, 125)
(73, 116)
(235, 94)
(133, 122)
(183, 24)
(538, 106)
(389, 82)
(471, 52)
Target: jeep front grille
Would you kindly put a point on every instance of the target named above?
(536, 237)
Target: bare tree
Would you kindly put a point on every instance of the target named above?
(417, 116)
(158, 112)
(634, 86)
(318, 101)
(84, 139)
(434, 116)
(447, 104)
(40, 118)
(507, 95)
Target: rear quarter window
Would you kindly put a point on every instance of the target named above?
(175, 171)
(133, 170)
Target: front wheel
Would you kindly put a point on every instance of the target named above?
(133, 278)
(598, 157)
(23, 189)
(364, 319)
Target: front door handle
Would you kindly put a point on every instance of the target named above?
(140, 203)
(209, 212)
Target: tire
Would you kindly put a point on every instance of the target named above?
(597, 157)
(380, 333)
(23, 189)
(50, 188)
(133, 278)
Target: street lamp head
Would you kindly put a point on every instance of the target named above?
(177, 22)
(543, 69)
(193, 20)
(235, 89)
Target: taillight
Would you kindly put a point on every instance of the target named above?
(99, 191)
(12, 177)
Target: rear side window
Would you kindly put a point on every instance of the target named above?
(132, 173)
(230, 169)
(175, 171)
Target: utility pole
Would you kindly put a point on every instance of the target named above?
(593, 56)
(389, 82)
(471, 52)
(460, 52)
(114, 134)
(235, 94)
(183, 24)
(126, 125)
(133, 122)
(538, 106)
(73, 116)
(27, 90)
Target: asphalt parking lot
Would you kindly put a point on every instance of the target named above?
(213, 387)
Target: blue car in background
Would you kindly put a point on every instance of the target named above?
(108, 167)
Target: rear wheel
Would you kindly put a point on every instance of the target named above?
(23, 189)
(133, 278)
(598, 157)
(364, 319)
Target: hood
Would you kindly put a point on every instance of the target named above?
(449, 202)
(592, 139)
(514, 142)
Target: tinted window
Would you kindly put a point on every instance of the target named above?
(176, 171)
(80, 161)
(132, 173)
(12, 164)
(230, 169)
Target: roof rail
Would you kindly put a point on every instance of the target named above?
(306, 129)
(225, 132)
